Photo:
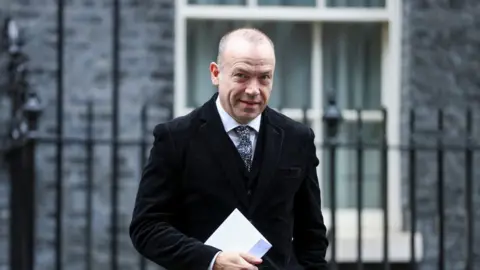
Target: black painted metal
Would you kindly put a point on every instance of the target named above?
(332, 119)
(412, 190)
(440, 192)
(384, 180)
(469, 190)
(23, 140)
(60, 142)
(143, 159)
(305, 115)
(115, 133)
(89, 145)
(20, 151)
(360, 182)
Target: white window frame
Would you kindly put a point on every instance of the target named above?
(390, 17)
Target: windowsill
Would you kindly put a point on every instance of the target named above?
(372, 251)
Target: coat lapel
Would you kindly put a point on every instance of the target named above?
(271, 156)
(222, 148)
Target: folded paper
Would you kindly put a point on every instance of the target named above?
(237, 234)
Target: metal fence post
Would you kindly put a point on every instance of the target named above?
(21, 153)
(332, 118)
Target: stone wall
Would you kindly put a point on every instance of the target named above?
(146, 67)
(4, 181)
(440, 69)
(441, 61)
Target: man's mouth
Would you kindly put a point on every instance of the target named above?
(249, 102)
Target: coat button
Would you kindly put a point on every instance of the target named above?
(249, 192)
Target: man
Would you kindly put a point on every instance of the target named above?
(232, 152)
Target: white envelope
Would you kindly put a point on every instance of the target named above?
(237, 234)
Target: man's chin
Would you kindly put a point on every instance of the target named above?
(245, 117)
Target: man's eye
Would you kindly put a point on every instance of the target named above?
(240, 75)
(266, 77)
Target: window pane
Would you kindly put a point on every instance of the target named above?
(310, 3)
(217, 2)
(291, 86)
(346, 167)
(202, 47)
(356, 3)
(352, 64)
(351, 69)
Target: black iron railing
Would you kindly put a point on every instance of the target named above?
(24, 139)
(20, 150)
(23, 172)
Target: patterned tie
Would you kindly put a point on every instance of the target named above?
(245, 145)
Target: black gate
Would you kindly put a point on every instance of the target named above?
(23, 139)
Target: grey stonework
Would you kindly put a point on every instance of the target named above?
(146, 63)
(440, 69)
(4, 181)
(441, 49)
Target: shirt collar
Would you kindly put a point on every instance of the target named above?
(229, 123)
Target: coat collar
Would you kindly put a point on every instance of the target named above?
(214, 133)
(229, 123)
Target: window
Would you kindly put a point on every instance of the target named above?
(350, 47)
(202, 41)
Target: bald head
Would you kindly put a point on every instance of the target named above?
(244, 73)
(241, 35)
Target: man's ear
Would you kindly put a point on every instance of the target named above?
(214, 73)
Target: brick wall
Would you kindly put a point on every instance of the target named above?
(441, 61)
(439, 70)
(146, 63)
(4, 184)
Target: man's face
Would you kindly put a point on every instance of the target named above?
(245, 78)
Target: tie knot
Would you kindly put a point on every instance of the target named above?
(243, 130)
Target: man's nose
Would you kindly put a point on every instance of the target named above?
(253, 89)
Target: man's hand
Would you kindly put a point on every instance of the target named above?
(236, 261)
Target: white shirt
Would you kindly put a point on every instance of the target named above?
(229, 124)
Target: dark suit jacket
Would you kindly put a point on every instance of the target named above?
(191, 184)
